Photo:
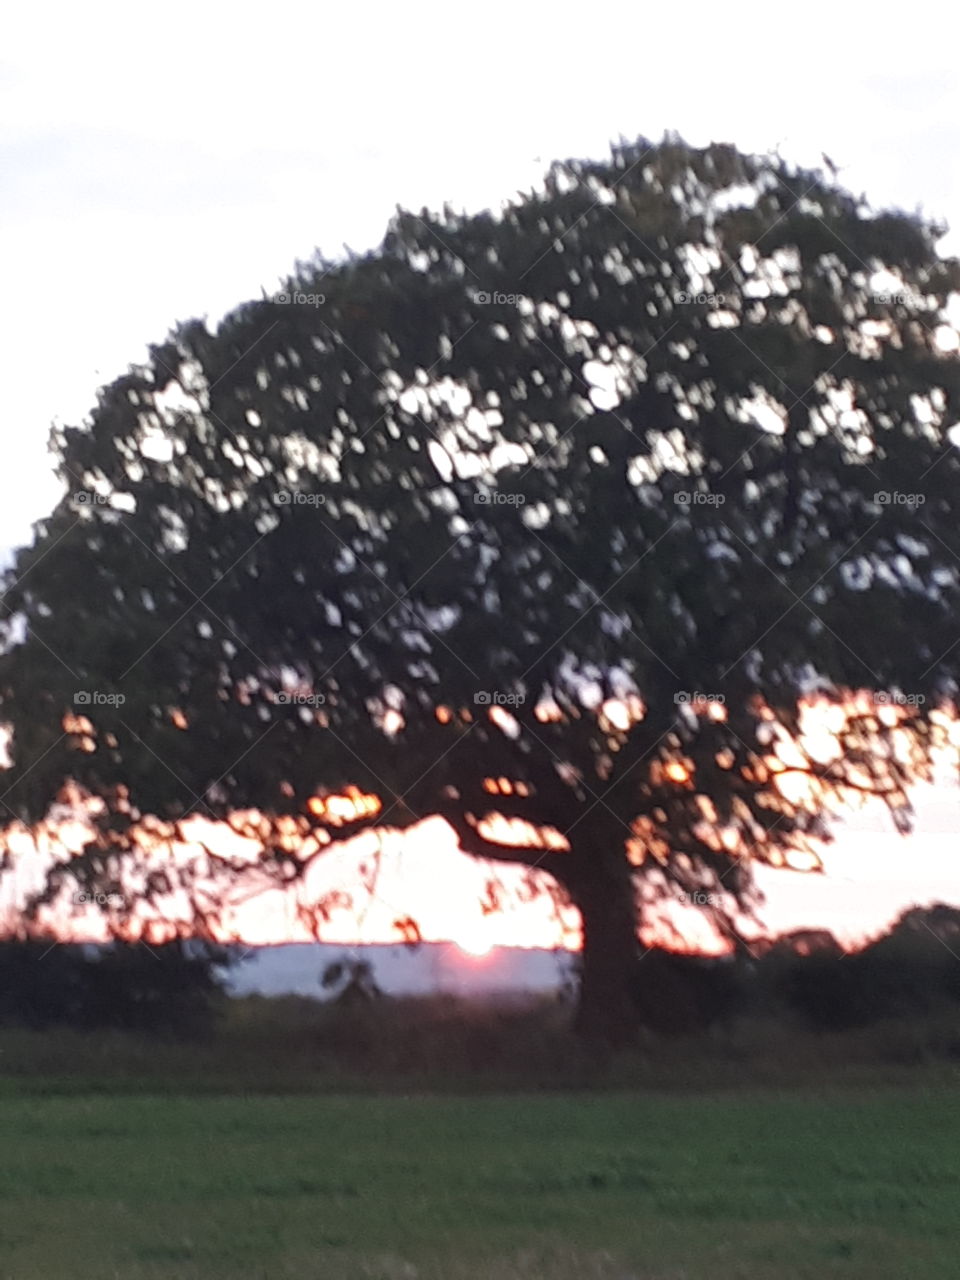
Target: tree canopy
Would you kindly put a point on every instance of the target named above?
(548, 521)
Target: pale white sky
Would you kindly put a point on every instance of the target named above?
(161, 164)
(158, 164)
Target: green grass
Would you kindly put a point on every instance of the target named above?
(429, 1140)
(753, 1184)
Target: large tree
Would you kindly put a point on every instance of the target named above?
(548, 522)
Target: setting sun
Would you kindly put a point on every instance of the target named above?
(474, 940)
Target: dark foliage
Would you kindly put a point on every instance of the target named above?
(174, 987)
(351, 982)
(912, 970)
(908, 973)
(651, 436)
(678, 993)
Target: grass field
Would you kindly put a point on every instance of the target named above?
(577, 1186)
(426, 1140)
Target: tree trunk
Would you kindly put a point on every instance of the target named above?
(603, 894)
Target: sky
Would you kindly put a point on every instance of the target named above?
(163, 164)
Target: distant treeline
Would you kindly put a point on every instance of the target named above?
(804, 977)
(807, 976)
(174, 988)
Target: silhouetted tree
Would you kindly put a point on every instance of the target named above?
(553, 516)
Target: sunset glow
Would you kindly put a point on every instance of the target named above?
(338, 810)
(424, 875)
(475, 941)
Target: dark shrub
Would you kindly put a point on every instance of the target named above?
(678, 993)
(911, 971)
(130, 986)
